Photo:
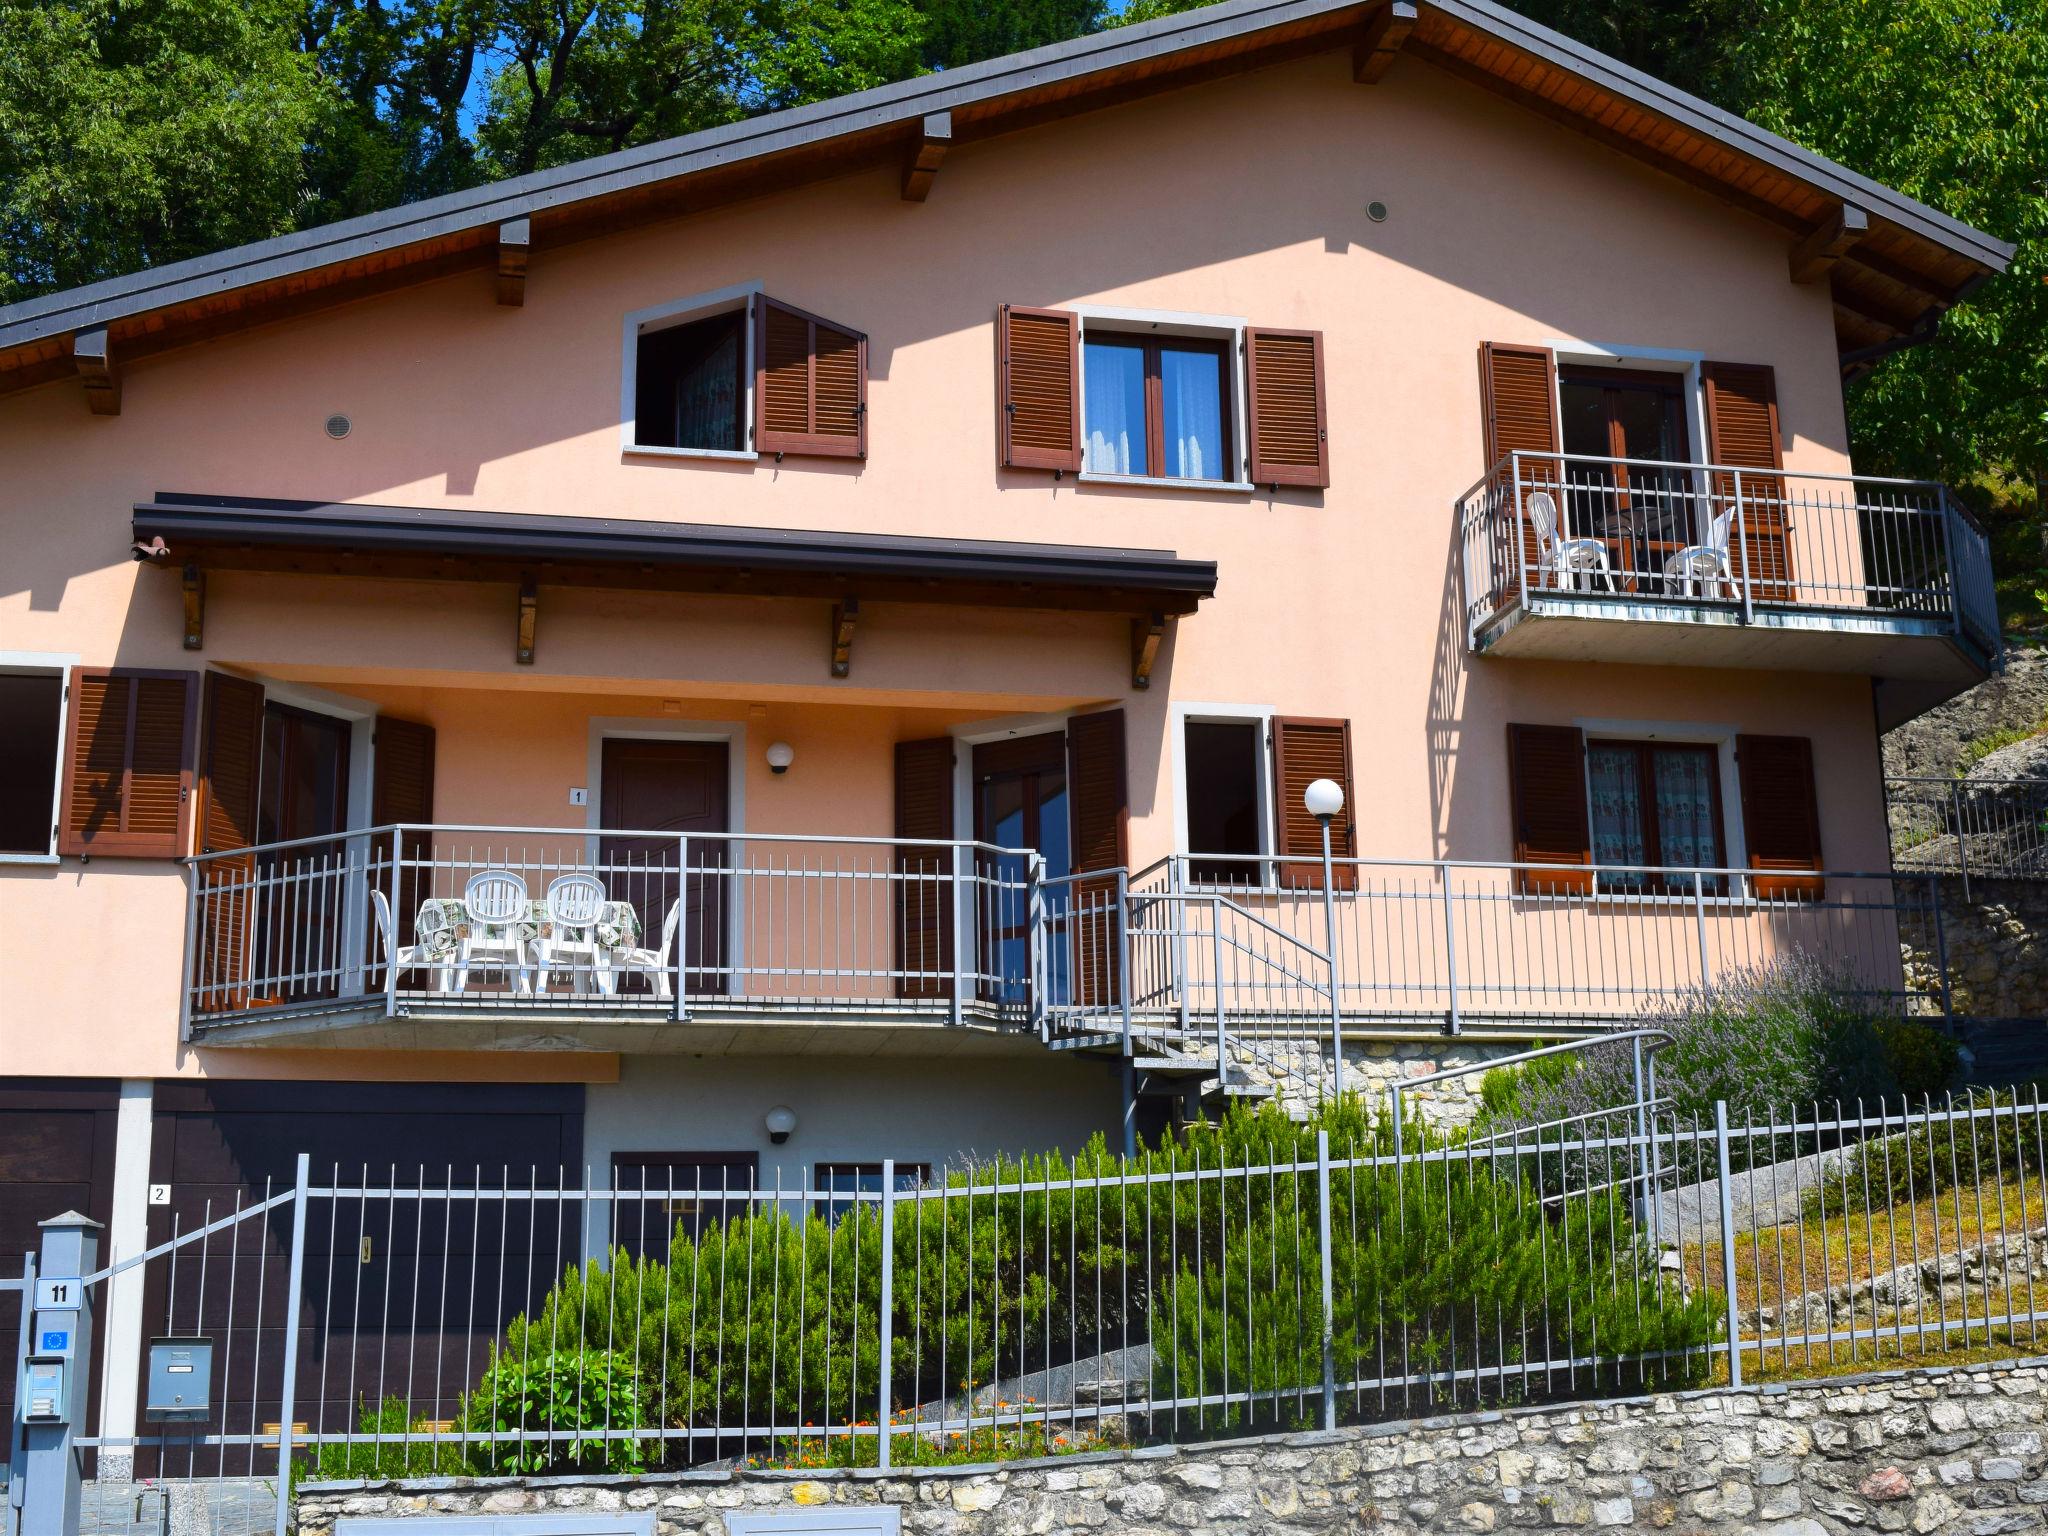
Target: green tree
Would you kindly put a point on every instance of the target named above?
(138, 133)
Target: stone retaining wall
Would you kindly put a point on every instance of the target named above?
(1921, 1451)
(1997, 944)
(1302, 1072)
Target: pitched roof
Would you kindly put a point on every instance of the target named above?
(1889, 287)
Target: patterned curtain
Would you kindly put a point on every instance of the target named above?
(707, 397)
(1685, 806)
(1617, 807)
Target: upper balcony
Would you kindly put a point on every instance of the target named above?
(1711, 565)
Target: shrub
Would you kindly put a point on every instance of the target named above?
(427, 1456)
(560, 1391)
(1999, 1134)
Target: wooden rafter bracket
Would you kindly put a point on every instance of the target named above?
(1384, 36)
(1814, 255)
(515, 244)
(529, 614)
(195, 607)
(845, 615)
(93, 356)
(1147, 630)
(927, 154)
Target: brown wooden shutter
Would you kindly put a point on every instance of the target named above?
(1519, 410)
(1742, 431)
(1099, 827)
(402, 791)
(230, 767)
(1780, 813)
(1547, 776)
(1038, 396)
(810, 384)
(128, 763)
(924, 885)
(1290, 438)
(1304, 750)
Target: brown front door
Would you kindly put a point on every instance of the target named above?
(659, 789)
(303, 800)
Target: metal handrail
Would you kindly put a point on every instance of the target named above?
(1507, 460)
(605, 832)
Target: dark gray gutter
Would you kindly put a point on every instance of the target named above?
(905, 103)
(183, 521)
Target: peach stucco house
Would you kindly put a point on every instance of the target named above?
(899, 565)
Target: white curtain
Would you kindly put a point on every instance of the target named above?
(1193, 408)
(1116, 410)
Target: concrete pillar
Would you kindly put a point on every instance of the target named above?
(121, 1322)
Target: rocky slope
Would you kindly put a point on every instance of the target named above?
(1937, 745)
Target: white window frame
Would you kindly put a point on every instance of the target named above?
(1178, 718)
(661, 317)
(1229, 329)
(61, 664)
(1734, 853)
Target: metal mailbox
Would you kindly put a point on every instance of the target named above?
(180, 1379)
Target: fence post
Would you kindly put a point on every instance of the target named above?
(1123, 953)
(1742, 543)
(1521, 537)
(1955, 819)
(1177, 884)
(1216, 947)
(966, 935)
(1728, 1243)
(1456, 1024)
(294, 1278)
(1948, 1007)
(1329, 1280)
(883, 1404)
(1699, 918)
(62, 1331)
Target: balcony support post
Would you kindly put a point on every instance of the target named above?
(967, 938)
(1948, 564)
(194, 885)
(1123, 954)
(682, 955)
(1521, 532)
(1699, 921)
(1177, 883)
(1742, 542)
(393, 885)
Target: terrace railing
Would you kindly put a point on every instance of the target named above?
(1193, 955)
(1971, 827)
(1713, 536)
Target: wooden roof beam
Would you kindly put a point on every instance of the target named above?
(1815, 253)
(93, 356)
(515, 244)
(1385, 34)
(845, 615)
(1147, 630)
(926, 156)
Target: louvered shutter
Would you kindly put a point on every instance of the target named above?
(924, 876)
(1099, 822)
(1518, 400)
(1038, 395)
(810, 384)
(1547, 773)
(128, 764)
(1304, 750)
(402, 791)
(1742, 431)
(1290, 439)
(1780, 813)
(230, 765)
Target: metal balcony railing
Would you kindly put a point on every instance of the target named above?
(1973, 827)
(1639, 532)
(1192, 956)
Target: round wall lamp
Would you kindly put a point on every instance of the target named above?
(780, 1120)
(780, 755)
(1323, 799)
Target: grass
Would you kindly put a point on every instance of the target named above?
(2010, 736)
(953, 1448)
(1818, 1253)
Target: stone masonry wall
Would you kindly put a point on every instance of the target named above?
(1302, 1072)
(1914, 1451)
(1997, 943)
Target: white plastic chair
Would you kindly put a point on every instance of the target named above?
(1565, 558)
(651, 962)
(574, 904)
(494, 899)
(1693, 571)
(400, 957)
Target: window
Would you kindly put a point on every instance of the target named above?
(31, 716)
(1158, 406)
(1221, 761)
(850, 1179)
(1654, 803)
(690, 1189)
(689, 385)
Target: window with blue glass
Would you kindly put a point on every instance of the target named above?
(1157, 406)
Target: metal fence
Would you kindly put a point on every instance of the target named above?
(1723, 536)
(385, 1322)
(1972, 827)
